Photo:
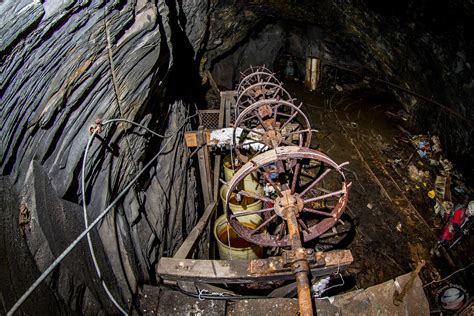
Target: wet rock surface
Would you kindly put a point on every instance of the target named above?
(63, 66)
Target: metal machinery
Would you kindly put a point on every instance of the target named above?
(304, 194)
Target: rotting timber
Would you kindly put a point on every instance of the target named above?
(270, 138)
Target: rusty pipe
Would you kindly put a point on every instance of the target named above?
(300, 265)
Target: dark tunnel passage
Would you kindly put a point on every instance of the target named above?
(393, 75)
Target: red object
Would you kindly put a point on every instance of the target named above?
(458, 216)
(456, 219)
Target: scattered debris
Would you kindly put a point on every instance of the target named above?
(432, 194)
(415, 174)
(399, 227)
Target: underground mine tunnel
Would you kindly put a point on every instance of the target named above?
(236, 157)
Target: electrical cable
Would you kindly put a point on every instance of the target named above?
(71, 246)
(445, 278)
(84, 204)
(220, 296)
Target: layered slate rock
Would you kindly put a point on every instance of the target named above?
(66, 64)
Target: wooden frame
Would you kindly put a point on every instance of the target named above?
(240, 271)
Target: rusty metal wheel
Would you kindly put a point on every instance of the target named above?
(255, 75)
(260, 91)
(317, 201)
(268, 124)
(252, 69)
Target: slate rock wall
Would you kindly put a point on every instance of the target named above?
(63, 65)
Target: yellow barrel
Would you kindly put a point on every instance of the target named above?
(239, 247)
(250, 183)
(246, 203)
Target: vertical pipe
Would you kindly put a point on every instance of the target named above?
(300, 266)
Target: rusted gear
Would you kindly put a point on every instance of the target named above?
(259, 91)
(316, 201)
(288, 202)
(268, 124)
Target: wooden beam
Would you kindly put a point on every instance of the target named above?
(228, 99)
(187, 247)
(204, 166)
(238, 271)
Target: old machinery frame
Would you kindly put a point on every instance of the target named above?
(304, 193)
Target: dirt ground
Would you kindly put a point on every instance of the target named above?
(394, 219)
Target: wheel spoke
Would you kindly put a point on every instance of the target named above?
(303, 225)
(256, 196)
(296, 175)
(325, 196)
(251, 212)
(289, 119)
(260, 119)
(287, 143)
(252, 131)
(296, 132)
(315, 182)
(272, 183)
(247, 118)
(275, 115)
(310, 210)
(265, 223)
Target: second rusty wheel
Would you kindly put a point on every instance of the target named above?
(260, 91)
(255, 74)
(267, 124)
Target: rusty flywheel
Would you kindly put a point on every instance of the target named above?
(317, 199)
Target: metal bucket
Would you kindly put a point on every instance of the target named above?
(239, 248)
(250, 183)
(236, 207)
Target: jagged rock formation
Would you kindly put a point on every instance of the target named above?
(66, 63)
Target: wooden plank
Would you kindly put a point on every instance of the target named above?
(237, 271)
(228, 99)
(188, 245)
(204, 167)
